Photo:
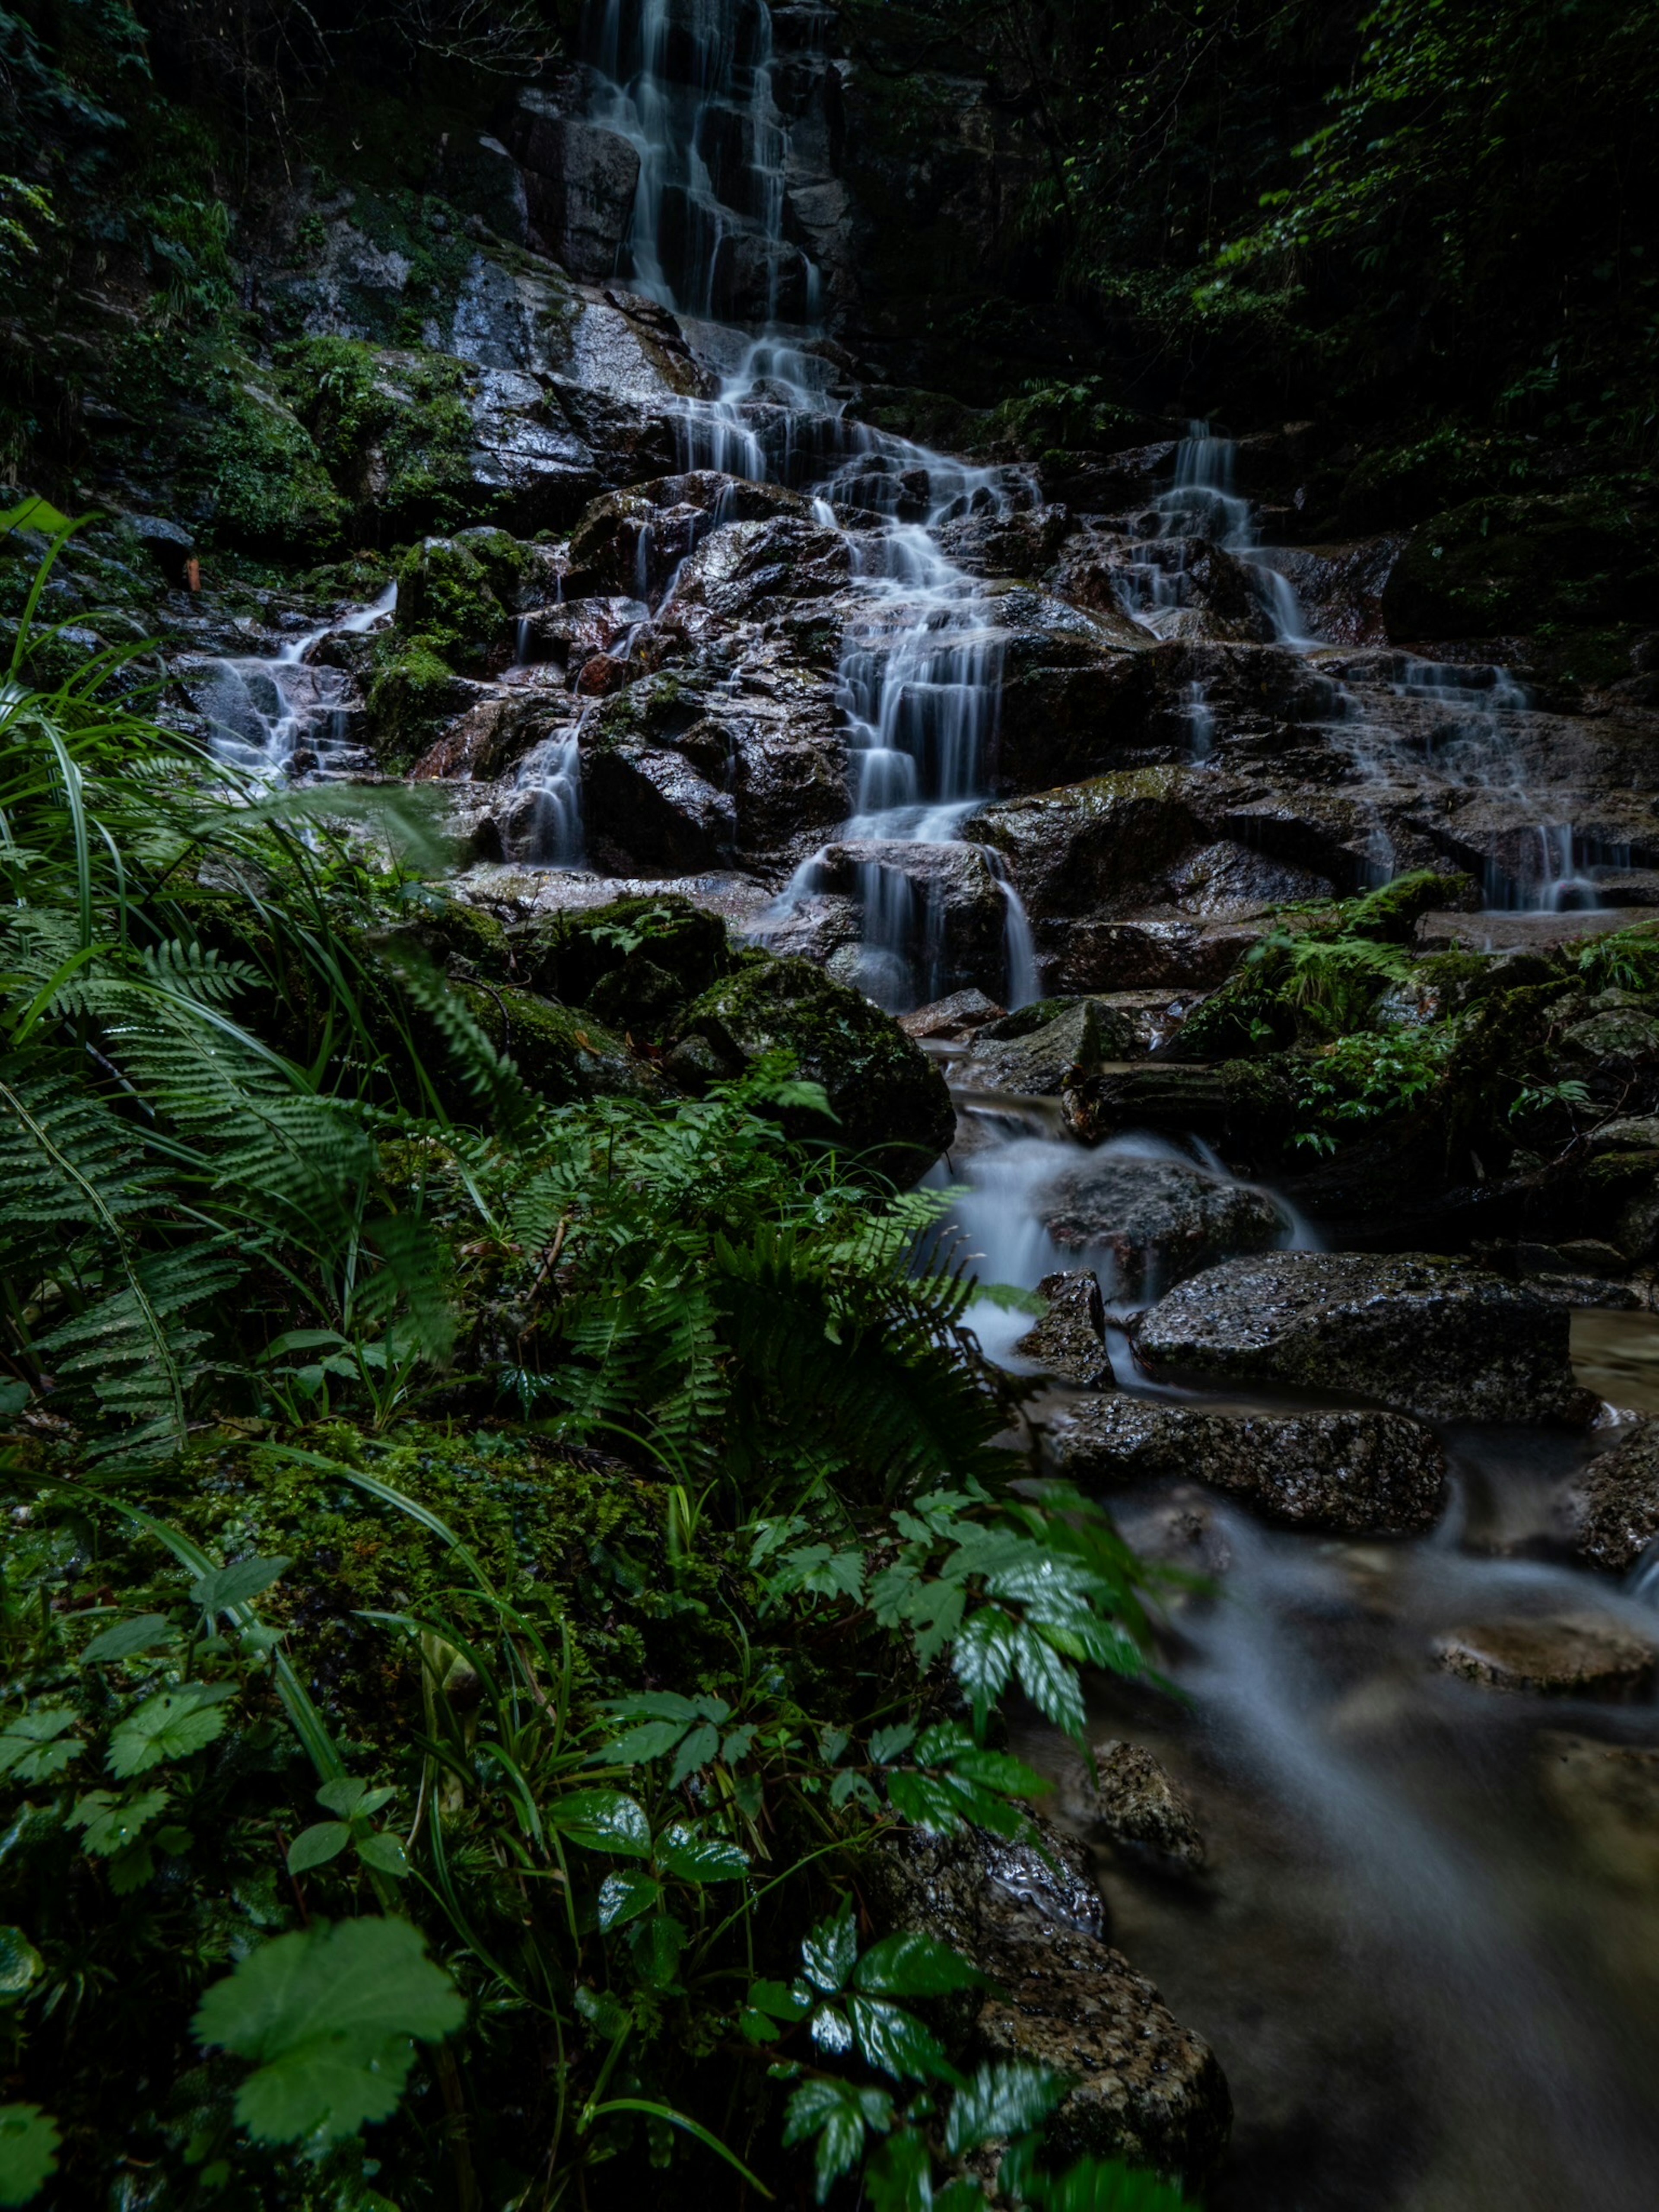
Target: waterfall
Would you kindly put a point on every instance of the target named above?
(1202, 506)
(283, 714)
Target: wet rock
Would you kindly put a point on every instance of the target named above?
(1071, 850)
(1021, 543)
(1621, 1033)
(634, 540)
(935, 918)
(569, 635)
(1608, 1794)
(1612, 1508)
(1636, 1133)
(753, 569)
(1037, 1061)
(887, 1096)
(1070, 1340)
(950, 1020)
(1431, 1335)
(1175, 953)
(579, 184)
(1355, 1472)
(1147, 2090)
(1153, 1220)
(1564, 1655)
(1134, 1802)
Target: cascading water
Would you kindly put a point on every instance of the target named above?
(690, 86)
(285, 714)
(1201, 508)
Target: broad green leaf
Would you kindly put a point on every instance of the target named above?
(235, 1585)
(832, 2030)
(779, 2001)
(736, 1743)
(174, 1725)
(34, 1746)
(837, 2112)
(316, 1846)
(132, 1868)
(327, 2017)
(888, 1744)
(699, 1748)
(603, 1821)
(29, 2152)
(656, 1943)
(982, 1656)
(127, 1638)
(961, 2195)
(689, 1856)
(602, 2012)
(1050, 1683)
(385, 1853)
(112, 1824)
(350, 1799)
(21, 1964)
(14, 1396)
(623, 1897)
(1004, 2099)
(647, 1742)
(910, 1965)
(895, 2042)
(899, 2178)
(1105, 2185)
(928, 1802)
(847, 1787)
(828, 1954)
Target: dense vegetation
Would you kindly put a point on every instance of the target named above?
(482, 1572)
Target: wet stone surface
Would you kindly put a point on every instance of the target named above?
(1565, 1656)
(1070, 1340)
(1353, 1472)
(1612, 1507)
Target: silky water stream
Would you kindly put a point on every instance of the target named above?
(1425, 1951)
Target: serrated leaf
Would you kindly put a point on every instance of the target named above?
(1004, 2099)
(127, 1638)
(831, 2031)
(895, 2042)
(21, 1964)
(173, 1724)
(383, 1853)
(982, 1657)
(602, 2012)
(779, 2000)
(888, 1743)
(35, 1747)
(656, 1705)
(899, 2178)
(828, 1954)
(837, 2112)
(112, 1824)
(623, 1897)
(698, 1748)
(132, 1868)
(603, 1821)
(316, 1846)
(29, 2152)
(928, 1801)
(1050, 1682)
(650, 1740)
(847, 1787)
(911, 1965)
(348, 1798)
(224, 1587)
(328, 2018)
(689, 1856)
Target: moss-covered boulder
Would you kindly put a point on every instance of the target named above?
(413, 695)
(888, 1099)
(640, 961)
(446, 600)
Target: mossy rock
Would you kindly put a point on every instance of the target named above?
(1391, 914)
(393, 429)
(264, 488)
(638, 960)
(1501, 565)
(888, 1099)
(414, 695)
(564, 1054)
(446, 599)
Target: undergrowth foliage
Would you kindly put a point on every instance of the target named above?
(523, 1830)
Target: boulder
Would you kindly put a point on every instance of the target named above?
(1074, 849)
(579, 183)
(1070, 1340)
(1035, 1061)
(1356, 1471)
(646, 806)
(1612, 1508)
(887, 1096)
(933, 916)
(1152, 1219)
(1563, 1656)
(1145, 2089)
(950, 1020)
(1428, 1335)
(1131, 1802)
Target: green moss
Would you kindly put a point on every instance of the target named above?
(1391, 913)
(393, 429)
(562, 1054)
(445, 602)
(414, 691)
(618, 957)
(887, 1096)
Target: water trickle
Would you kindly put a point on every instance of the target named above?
(1201, 508)
(279, 715)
